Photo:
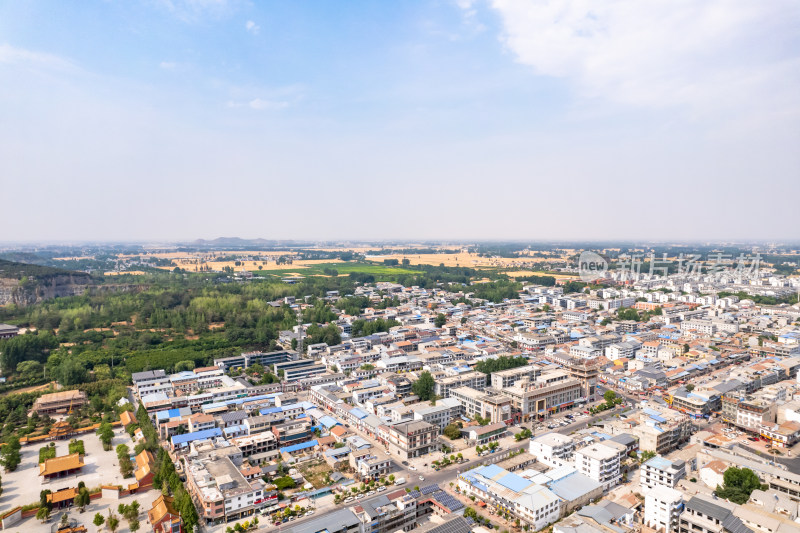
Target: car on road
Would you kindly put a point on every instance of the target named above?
(349, 500)
(412, 467)
(381, 489)
(311, 512)
(422, 478)
(371, 493)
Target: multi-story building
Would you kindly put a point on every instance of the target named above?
(260, 446)
(438, 415)
(265, 359)
(219, 489)
(747, 411)
(292, 432)
(600, 463)
(553, 449)
(412, 439)
(662, 509)
(507, 378)
(659, 471)
(370, 463)
(384, 515)
(551, 392)
(702, 514)
(151, 382)
(201, 422)
(474, 380)
(492, 405)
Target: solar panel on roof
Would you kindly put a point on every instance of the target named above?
(429, 489)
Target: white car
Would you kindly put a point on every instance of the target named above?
(422, 478)
(349, 500)
(381, 489)
(412, 467)
(371, 493)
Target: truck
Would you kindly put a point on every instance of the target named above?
(400, 481)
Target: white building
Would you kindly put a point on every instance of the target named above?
(662, 509)
(599, 462)
(553, 449)
(661, 471)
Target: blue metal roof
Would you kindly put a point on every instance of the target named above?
(358, 413)
(514, 482)
(197, 435)
(269, 410)
(489, 471)
(300, 446)
(235, 429)
(328, 421)
(167, 414)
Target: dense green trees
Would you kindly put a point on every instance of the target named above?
(440, 320)
(452, 431)
(424, 387)
(504, 362)
(738, 484)
(362, 328)
(497, 291)
(28, 347)
(106, 434)
(329, 334)
(9, 454)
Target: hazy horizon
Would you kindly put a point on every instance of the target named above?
(505, 120)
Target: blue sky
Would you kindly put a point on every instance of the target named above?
(180, 119)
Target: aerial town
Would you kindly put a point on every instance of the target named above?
(633, 401)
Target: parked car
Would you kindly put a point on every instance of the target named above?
(422, 478)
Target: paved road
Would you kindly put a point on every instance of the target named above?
(791, 463)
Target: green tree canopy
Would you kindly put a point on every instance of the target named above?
(424, 387)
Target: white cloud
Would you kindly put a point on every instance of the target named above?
(706, 55)
(191, 11)
(252, 27)
(262, 105)
(167, 65)
(19, 56)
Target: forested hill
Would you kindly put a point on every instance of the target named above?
(19, 271)
(23, 284)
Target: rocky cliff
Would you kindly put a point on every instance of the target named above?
(23, 284)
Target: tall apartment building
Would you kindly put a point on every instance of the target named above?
(660, 471)
(600, 463)
(662, 509)
(475, 380)
(412, 439)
